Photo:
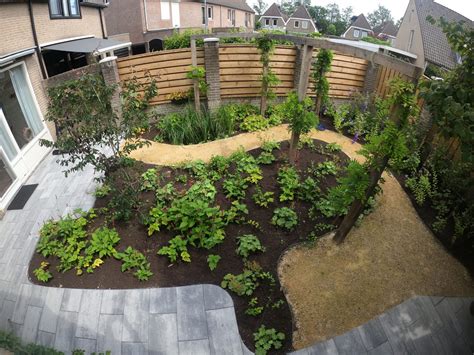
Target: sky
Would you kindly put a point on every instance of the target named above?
(397, 7)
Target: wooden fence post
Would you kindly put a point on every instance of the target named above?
(304, 59)
(211, 62)
(197, 97)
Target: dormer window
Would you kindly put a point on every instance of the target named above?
(64, 9)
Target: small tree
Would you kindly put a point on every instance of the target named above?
(266, 46)
(260, 7)
(301, 120)
(380, 16)
(321, 85)
(91, 132)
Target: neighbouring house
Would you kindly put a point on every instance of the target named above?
(301, 21)
(39, 39)
(386, 32)
(148, 22)
(273, 18)
(427, 41)
(359, 28)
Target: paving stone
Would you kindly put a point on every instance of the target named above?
(396, 332)
(38, 296)
(192, 323)
(246, 350)
(383, 349)
(52, 306)
(163, 300)
(113, 302)
(109, 337)
(88, 345)
(435, 299)
(6, 314)
(425, 345)
(21, 305)
(430, 319)
(163, 334)
(408, 312)
(45, 339)
(66, 329)
(88, 319)
(215, 297)
(324, 348)
(448, 317)
(135, 320)
(300, 352)
(224, 335)
(71, 300)
(30, 328)
(134, 349)
(372, 334)
(194, 347)
(350, 343)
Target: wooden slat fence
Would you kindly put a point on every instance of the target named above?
(384, 76)
(169, 68)
(241, 70)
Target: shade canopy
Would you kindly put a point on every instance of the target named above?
(88, 45)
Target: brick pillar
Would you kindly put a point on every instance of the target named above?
(370, 83)
(109, 69)
(211, 62)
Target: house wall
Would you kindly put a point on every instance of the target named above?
(124, 16)
(49, 30)
(350, 33)
(15, 28)
(411, 23)
(280, 22)
(290, 26)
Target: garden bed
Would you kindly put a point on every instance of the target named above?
(275, 312)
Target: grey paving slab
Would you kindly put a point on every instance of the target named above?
(215, 297)
(113, 302)
(88, 345)
(325, 348)
(382, 349)
(163, 300)
(89, 311)
(372, 334)
(135, 320)
(30, 328)
(396, 332)
(6, 314)
(52, 306)
(21, 304)
(64, 340)
(134, 349)
(45, 339)
(194, 347)
(192, 323)
(224, 335)
(109, 337)
(38, 296)
(350, 343)
(71, 300)
(163, 334)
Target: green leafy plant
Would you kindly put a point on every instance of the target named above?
(309, 190)
(332, 148)
(285, 218)
(267, 339)
(261, 198)
(103, 241)
(423, 186)
(132, 259)
(246, 283)
(321, 66)
(102, 191)
(266, 46)
(254, 309)
(288, 180)
(235, 187)
(181, 39)
(324, 169)
(212, 261)
(247, 244)
(149, 180)
(254, 123)
(42, 273)
(199, 74)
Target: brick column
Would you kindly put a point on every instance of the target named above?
(370, 83)
(211, 62)
(109, 69)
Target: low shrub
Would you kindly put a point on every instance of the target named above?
(285, 218)
(267, 339)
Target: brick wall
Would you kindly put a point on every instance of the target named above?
(211, 58)
(15, 28)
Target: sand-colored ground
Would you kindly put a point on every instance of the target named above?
(331, 288)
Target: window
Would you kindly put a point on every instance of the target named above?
(356, 33)
(364, 34)
(410, 40)
(228, 14)
(231, 16)
(165, 10)
(248, 20)
(64, 9)
(209, 12)
(304, 24)
(203, 13)
(267, 22)
(275, 22)
(297, 24)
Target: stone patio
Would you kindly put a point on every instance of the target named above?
(197, 319)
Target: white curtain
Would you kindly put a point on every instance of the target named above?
(25, 100)
(5, 140)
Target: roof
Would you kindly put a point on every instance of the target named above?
(387, 28)
(301, 12)
(435, 44)
(274, 11)
(234, 4)
(361, 22)
(87, 45)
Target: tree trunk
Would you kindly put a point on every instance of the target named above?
(295, 138)
(357, 206)
(318, 105)
(263, 102)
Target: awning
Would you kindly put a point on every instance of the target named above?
(88, 45)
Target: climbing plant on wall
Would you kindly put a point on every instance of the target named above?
(266, 46)
(321, 66)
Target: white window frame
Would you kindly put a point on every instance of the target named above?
(65, 9)
(410, 39)
(10, 172)
(364, 34)
(210, 12)
(304, 24)
(356, 33)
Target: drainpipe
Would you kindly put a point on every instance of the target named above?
(35, 39)
(102, 23)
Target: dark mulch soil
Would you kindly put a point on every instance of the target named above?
(275, 240)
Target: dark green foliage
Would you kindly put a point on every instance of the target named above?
(212, 261)
(299, 114)
(267, 339)
(321, 66)
(288, 180)
(10, 342)
(132, 259)
(261, 198)
(182, 40)
(374, 40)
(247, 244)
(285, 218)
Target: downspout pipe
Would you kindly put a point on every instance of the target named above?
(35, 39)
